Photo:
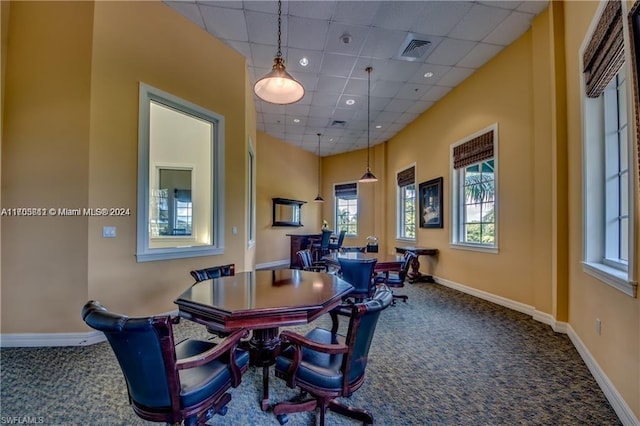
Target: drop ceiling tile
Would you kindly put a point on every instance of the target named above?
(343, 114)
(385, 89)
(450, 51)
(296, 110)
(337, 65)
(356, 86)
(503, 4)
(217, 20)
(387, 117)
(308, 80)
(330, 84)
(419, 107)
(383, 43)
(262, 56)
(360, 101)
(412, 91)
(312, 9)
(314, 57)
(399, 105)
(317, 123)
(269, 118)
(398, 15)
(394, 70)
(436, 93)
(478, 23)
(320, 111)
(261, 6)
(336, 33)
(306, 33)
(355, 12)
(480, 55)
(263, 28)
(324, 99)
(241, 47)
(407, 118)
(440, 17)
(437, 71)
(515, 25)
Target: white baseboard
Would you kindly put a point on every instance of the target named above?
(622, 409)
(271, 265)
(51, 339)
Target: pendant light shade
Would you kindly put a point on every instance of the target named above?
(278, 86)
(319, 198)
(368, 176)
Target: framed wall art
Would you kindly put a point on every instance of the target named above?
(430, 193)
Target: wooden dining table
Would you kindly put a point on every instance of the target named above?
(262, 301)
(385, 262)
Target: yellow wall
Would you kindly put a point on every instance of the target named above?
(284, 171)
(617, 348)
(71, 140)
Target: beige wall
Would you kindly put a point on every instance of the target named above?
(71, 140)
(290, 172)
(617, 348)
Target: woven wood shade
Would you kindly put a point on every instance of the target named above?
(346, 190)
(477, 149)
(604, 55)
(407, 177)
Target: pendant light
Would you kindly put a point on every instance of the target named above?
(278, 86)
(368, 176)
(319, 198)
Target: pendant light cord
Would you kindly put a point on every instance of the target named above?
(279, 53)
(369, 69)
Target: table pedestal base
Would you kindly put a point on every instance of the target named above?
(265, 347)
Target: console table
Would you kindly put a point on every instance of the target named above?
(415, 275)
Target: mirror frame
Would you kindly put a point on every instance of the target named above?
(287, 202)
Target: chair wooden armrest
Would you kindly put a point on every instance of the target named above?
(299, 340)
(227, 345)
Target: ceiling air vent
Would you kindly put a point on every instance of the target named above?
(414, 47)
(338, 123)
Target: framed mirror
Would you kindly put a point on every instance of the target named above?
(287, 212)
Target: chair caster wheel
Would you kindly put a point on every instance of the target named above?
(282, 418)
(222, 411)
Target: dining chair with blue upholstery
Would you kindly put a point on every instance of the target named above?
(307, 262)
(327, 365)
(358, 273)
(320, 247)
(213, 272)
(396, 278)
(184, 383)
(338, 244)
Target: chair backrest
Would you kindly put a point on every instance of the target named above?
(145, 351)
(326, 238)
(341, 238)
(305, 258)
(408, 258)
(362, 325)
(213, 272)
(358, 273)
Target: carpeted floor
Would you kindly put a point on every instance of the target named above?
(443, 358)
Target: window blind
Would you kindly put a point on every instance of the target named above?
(407, 177)
(346, 190)
(604, 54)
(474, 150)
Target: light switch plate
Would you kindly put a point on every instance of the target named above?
(108, 232)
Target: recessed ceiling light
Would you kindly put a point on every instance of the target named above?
(304, 61)
(350, 102)
(330, 139)
(428, 74)
(378, 127)
(296, 120)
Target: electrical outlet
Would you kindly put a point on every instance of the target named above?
(598, 326)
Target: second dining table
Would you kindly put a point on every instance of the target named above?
(262, 301)
(385, 262)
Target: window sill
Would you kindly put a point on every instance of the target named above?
(406, 240)
(177, 253)
(474, 247)
(611, 276)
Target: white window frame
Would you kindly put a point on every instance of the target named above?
(400, 209)
(145, 253)
(594, 199)
(457, 198)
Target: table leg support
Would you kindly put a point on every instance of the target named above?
(265, 347)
